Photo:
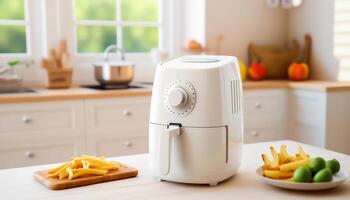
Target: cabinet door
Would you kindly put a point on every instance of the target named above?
(35, 120)
(118, 116)
(308, 117)
(116, 146)
(264, 128)
(36, 152)
(265, 115)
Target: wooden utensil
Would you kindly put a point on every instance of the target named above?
(45, 63)
(56, 184)
(53, 59)
(65, 61)
(62, 48)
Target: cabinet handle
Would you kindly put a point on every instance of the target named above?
(26, 119)
(29, 154)
(257, 104)
(128, 144)
(126, 112)
(255, 133)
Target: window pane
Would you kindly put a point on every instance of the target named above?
(94, 39)
(95, 9)
(140, 10)
(140, 39)
(12, 39)
(11, 9)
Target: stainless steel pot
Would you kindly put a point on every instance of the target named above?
(114, 73)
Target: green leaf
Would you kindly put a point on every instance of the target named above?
(13, 63)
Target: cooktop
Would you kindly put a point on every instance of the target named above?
(112, 87)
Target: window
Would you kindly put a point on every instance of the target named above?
(342, 38)
(134, 25)
(14, 27)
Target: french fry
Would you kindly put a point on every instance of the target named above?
(93, 160)
(86, 164)
(63, 175)
(298, 157)
(83, 166)
(301, 152)
(52, 171)
(283, 165)
(294, 165)
(276, 174)
(74, 173)
(284, 156)
(110, 167)
(266, 160)
(275, 161)
(56, 174)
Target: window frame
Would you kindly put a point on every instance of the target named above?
(68, 25)
(27, 23)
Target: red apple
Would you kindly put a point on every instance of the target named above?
(298, 71)
(257, 71)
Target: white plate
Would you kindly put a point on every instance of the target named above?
(338, 179)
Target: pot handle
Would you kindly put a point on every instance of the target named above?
(109, 49)
(165, 148)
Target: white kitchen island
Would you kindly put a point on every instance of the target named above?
(18, 183)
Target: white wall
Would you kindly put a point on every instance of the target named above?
(316, 18)
(241, 22)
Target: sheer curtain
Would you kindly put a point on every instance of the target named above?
(342, 37)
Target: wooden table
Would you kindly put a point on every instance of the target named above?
(18, 183)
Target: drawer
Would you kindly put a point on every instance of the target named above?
(108, 146)
(264, 128)
(262, 135)
(36, 153)
(53, 116)
(307, 102)
(259, 102)
(264, 121)
(118, 113)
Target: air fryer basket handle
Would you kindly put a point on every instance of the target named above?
(165, 148)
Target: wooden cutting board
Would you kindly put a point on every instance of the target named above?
(56, 184)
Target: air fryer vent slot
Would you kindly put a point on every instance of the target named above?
(235, 97)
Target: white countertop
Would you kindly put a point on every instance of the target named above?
(18, 183)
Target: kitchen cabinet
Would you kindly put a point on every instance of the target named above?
(307, 119)
(52, 131)
(337, 128)
(265, 115)
(117, 126)
(44, 132)
(39, 151)
(116, 146)
(33, 120)
(38, 133)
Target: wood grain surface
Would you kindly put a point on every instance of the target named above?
(56, 184)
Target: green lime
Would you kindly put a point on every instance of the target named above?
(302, 174)
(333, 165)
(325, 175)
(317, 164)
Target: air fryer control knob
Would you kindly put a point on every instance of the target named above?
(177, 97)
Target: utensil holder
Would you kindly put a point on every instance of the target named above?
(59, 78)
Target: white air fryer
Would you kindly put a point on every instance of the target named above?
(196, 128)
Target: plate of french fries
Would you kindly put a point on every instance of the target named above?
(279, 170)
